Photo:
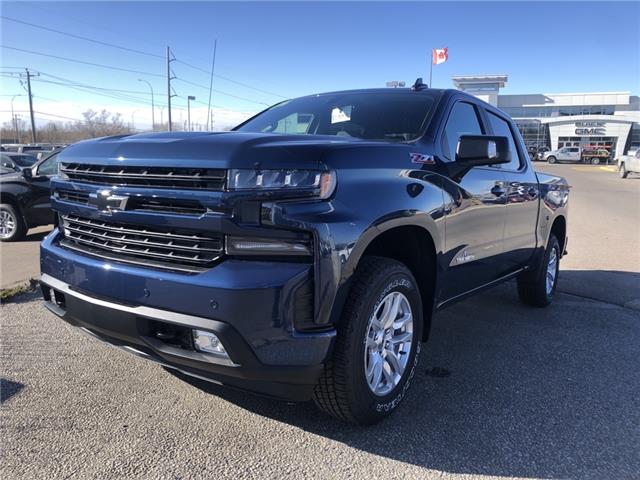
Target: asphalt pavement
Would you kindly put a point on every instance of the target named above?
(502, 390)
(20, 261)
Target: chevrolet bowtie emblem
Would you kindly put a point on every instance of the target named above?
(104, 201)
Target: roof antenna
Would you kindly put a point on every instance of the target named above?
(419, 85)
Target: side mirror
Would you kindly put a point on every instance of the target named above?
(479, 150)
(27, 173)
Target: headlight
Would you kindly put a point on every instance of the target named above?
(321, 184)
(61, 175)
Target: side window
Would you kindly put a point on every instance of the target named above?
(49, 166)
(501, 128)
(463, 120)
(296, 123)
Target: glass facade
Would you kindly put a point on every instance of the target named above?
(556, 111)
(534, 133)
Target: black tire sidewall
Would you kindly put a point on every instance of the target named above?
(623, 171)
(375, 407)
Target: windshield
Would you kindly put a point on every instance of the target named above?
(397, 116)
(23, 160)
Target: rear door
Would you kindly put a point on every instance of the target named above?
(574, 154)
(522, 197)
(475, 208)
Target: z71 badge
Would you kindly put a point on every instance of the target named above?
(421, 158)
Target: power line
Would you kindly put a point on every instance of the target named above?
(80, 37)
(230, 80)
(111, 67)
(93, 26)
(221, 92)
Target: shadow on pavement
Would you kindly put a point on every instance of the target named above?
(503, 389)
(8, 389)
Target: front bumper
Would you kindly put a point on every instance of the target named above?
(246, 304)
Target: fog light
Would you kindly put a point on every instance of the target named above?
(208, 342)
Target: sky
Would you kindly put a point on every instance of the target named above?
(270, 51)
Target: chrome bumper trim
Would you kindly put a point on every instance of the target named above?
(148, 312)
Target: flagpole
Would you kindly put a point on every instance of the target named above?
(431, 70)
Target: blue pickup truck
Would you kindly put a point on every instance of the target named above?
(304, 254)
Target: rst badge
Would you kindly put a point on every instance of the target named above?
(422, 158)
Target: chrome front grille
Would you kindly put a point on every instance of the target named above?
(163, 248)
(144, 204)
(73, 196)
(156, 177)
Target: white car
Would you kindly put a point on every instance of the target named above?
(629, 163)
(564, 154)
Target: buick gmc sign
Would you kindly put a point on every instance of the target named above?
(591, 128)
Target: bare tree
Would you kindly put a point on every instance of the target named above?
(94, 124)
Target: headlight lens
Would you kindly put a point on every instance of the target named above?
(323, 183)
(61, 175)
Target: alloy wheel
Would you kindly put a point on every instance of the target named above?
(8, 224)
(388, 343)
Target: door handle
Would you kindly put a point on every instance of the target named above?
(498, 190)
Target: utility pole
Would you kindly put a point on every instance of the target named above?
(213, 67)
(33, 121)
(169, 78)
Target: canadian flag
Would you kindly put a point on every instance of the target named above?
(440, 55)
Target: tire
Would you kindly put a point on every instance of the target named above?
(535, 291)
(12, 227)
(344, 390)
(595, 161)
(551, 159)
(623, 171)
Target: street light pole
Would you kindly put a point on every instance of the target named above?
(189, 98)
(133, 120)
(153, 121)
(13, 119)
(161, 116)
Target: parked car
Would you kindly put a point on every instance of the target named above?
(24, 199)
(16, 161)
(304, 254)
(629, 163)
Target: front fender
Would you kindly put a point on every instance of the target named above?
(364, 206)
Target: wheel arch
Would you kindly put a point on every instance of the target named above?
(559, 229)
(414, 246)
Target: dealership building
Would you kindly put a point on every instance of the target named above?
(599, 119)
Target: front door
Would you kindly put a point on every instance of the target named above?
(475, 209)
(38, 204)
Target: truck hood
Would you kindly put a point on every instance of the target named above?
(211, 150)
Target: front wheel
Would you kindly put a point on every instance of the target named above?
(12, 227)
(377, 344)
(623, 171)
(538, 289)
(595, 161)
(551, 159)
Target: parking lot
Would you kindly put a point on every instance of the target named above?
(502, 390)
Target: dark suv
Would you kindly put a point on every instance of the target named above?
(304, 254)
